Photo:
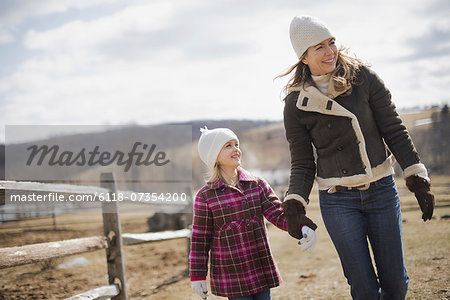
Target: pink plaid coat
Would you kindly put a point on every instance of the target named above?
(229, 229)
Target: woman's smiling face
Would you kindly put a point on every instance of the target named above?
(321, 58)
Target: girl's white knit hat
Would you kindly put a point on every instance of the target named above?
(211, 142)
(307, 31)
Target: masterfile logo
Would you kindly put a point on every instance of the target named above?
(55, 156)
(136, 154)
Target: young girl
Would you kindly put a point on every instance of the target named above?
(228, 226)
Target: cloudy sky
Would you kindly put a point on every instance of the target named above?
(89, 62)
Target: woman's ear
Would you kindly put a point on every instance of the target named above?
(304, 60)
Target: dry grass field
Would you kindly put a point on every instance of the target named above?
(158, 270)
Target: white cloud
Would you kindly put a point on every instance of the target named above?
(13, 13)
(5, 37)
(86, 35)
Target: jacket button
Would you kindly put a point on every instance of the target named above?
(329, 125)
(344, 171)
(340, 148)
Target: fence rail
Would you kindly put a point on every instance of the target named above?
(104, 292)
(112, 241)
(28, 254)
(51, 187)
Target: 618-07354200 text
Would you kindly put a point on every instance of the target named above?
(142, 197)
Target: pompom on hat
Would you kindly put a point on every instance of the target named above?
(307, 31)
(211, 142)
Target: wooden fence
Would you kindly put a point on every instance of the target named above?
(112, 241)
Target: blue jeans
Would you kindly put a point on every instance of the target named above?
(264, 295)
(353, 217)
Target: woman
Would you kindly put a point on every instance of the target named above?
(342, 128)
(228, 226)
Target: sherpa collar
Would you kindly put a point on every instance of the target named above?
(332, 93)
(313, 100)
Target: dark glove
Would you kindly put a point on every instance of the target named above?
(421, 189)
(296, 217)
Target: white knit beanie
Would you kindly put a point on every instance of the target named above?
(211, 142)
(307, 31)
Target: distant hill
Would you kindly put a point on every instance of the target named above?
(120, 138)
(237, 126)
(263, 142)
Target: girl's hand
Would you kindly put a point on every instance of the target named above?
(200, 288)
(309, 239)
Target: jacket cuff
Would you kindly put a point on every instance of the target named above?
(298, 198)
(416, 169)
(197, 278)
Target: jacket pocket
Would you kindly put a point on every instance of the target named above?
(228, 253)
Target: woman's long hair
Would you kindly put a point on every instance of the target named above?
(344, 74)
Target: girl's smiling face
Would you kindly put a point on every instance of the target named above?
(321, 58)
(230, 155)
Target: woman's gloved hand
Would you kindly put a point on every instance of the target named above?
(309, 239)
(421, 189)
(296, 217)
(200, 288)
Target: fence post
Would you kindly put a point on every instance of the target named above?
(113, 232)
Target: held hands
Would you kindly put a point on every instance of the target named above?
(309, 239)
(421, 189)
(200, 288)
(296, 217)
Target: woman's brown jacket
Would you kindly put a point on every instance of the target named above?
(345, 138)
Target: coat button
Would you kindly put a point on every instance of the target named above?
(340, 148)
(344, 171)
(329, 125)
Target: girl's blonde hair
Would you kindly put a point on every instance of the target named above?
(215, 174)
(344, 74)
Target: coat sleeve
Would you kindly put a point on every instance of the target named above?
(271, 205)
(392, 129)
(202, 233)
(303, 167)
